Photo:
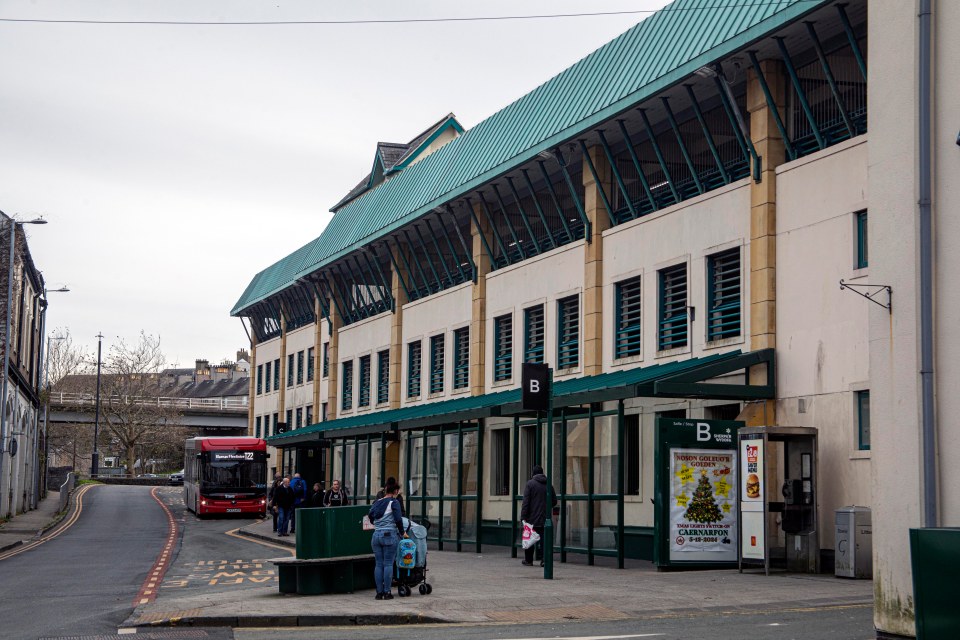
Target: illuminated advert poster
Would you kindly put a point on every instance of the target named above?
(703, 498)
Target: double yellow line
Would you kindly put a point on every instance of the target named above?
(56, 531)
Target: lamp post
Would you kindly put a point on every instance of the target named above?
(95, 456)
(12, 225)
(46, 404)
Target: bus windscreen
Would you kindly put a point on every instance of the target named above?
(233, 471)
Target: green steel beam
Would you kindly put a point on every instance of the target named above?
(343, 286)
(587, 234)
(736, 120)
(637, 165)
(706, 133)
(536, 205)
(436, 245)
(323, 303)
(788, 145)
(483, 238)
(403, 257)
(523, 218)
(553, 197)
(616, 174)
(467, 249)
(596, 179)
(493, 226)
(453, 252)
(828, 73)
(416, 261)
(377, 272)
(683, 146)
(852, 39)
(801, 96)
(399, 273)
(426, 255)
(664, 389)
(659, 153)
(383, 278)
(341, 311)
(361, 279)
(513, 232)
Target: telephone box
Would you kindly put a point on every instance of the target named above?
(777, 498)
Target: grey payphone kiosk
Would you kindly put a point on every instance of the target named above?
(777, 477)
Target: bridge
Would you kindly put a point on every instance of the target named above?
(211, 416)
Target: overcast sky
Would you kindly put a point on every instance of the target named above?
(173, 162)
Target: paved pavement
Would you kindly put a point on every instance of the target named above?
(493, 587)
(27, 526)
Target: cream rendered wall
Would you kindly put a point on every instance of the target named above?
(822, 345)
(364, 338)
(687, 232)
(440, 313)
(541, 280)
(299, 395)
(266, 404)
(495, 507)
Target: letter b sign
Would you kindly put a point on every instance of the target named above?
(536, 387)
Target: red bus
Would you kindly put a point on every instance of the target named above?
(225, 475)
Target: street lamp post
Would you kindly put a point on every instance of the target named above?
(46, 405)
(12, 226)
(95, 457)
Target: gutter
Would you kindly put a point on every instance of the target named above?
(928, 418)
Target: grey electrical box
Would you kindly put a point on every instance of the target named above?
(853, 545)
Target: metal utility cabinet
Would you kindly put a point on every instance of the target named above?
(853, 546)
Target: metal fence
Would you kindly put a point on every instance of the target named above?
(89, 399)
(65, 490)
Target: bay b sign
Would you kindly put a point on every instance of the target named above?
(536, 387)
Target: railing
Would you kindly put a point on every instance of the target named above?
(89, 399)
(65, 490)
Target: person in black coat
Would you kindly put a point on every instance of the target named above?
(534, 511)
(336, 496)
(283, 498)
(277, 481)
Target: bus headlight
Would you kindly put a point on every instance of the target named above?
(203, 503)
(263, 501)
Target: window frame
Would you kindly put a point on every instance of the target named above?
(311, 366)
(414, 369)
(461, 358)
(534, 346)
(861, 248)
(860, 396)
(503, 348)
(438, 359)
(325, 372)
(720, 316)
(627, 329)
(668, 326)
(364, 374)
(259, 379)
(346, 386)
(290, 373)
(300, 355)
(568, 350)
(383, 376)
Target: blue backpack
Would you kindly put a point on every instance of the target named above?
(406, 554)
(299, 490)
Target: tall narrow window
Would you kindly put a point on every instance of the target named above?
(568, 332)
(863, 420)
(276, 374)
(268, 378)
(300, 367)
(346, 401)
(723, 295)
(310, 366)
(323, 412)
(628, 331)
(326, 359)
(289, 422)
(861, 248)
(673, 308)
(290, 370)
(363, 396)
(276, 421)
(308, 417)
(461, 358)
(259, 379)
(414, 366)
(299, 418)
(500, 464)
(436, 364)
(631, 446)
(502, 348)
(533, 326)
(256, 427)
(383, 376)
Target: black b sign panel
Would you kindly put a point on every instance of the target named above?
(536, 387)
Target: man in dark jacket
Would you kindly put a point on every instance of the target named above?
(299, 486)
(277, 481)
(534, 511)
(336, 496)
(283, 499)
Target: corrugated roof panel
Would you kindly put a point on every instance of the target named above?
(652, 55)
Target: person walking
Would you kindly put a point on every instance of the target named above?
(388, 529)
(283, 499)
(299, 486)
(277, 481)
(336, 496)
(534, 511)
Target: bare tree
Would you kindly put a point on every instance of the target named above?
(64, 358)
(129, 406)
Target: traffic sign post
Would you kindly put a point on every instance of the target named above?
(537, 395)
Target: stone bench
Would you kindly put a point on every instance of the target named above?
(317, 576)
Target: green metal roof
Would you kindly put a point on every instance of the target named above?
(653, 55)
(605, 386)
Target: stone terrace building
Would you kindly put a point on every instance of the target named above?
(666, 224)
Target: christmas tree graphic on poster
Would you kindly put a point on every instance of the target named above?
(703, 503)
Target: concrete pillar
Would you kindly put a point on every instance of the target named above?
(282, 397)
(334, 370)
(317, 357)
(592, 312)
(763, 227)
(396, 331)
(478, 321)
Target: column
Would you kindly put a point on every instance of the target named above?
(478, 321)
(592, 334)
(396, 331)
(334, 371)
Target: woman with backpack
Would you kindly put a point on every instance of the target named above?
(388, 529)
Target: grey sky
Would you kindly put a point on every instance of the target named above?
(174, 162)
